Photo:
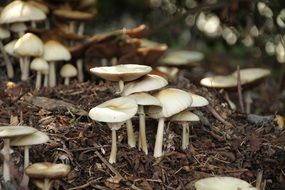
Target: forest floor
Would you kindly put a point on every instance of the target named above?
(224, 143)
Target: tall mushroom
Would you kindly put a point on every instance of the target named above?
(144, 84)
(4, 33)
(226, 183)
(8, 132)
(29, 45)
(121, 73)
(27, 141)
(47, 171)
(173, 101)
(114, 112)
(143, 99)
(54, 51)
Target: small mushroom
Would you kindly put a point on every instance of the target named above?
(39, 65)
(184, 118)
(67, 71)
(54, 51)
(47, 171)
(19, 27)
(114, 112)
(27, 141)
(143, 99)
(121, 73)
(173, 101)
(226, 183)
(8, 132)
(182, 58)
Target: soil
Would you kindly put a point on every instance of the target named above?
(225, 142)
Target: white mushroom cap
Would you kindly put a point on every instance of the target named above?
(144, 99)
(9, 48)
(219, 81)
(115, 110)
(185, 115)
(39, 64)
(226, 183)
(172, 100)
(198, 101)
(14, 131)
(252, 74)
(182, 57)
(144, 84)
(47, 170)
(20, 11)
(18, 27)
(55, 51)
(32, 139)
(126, 72)
(68, 70)
(29, 45)
(4, 33)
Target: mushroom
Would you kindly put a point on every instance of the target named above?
(21, 11)
(121, 73)
(8, 132)
(27, 141)
(219, 183)
(248, 77)
(181, 58)
(19, 28)
(173, 101)
(183, 118)
(146, 83)
(143, 99)
(143, 84)
(29, 45)
(67, 71)
(4, 33)
(54, 51)
(39, 65)
(114, 112)
(47, 171)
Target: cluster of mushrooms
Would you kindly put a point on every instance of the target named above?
(24, 136)
(39, 34)
(144, 94)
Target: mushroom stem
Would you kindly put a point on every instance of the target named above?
(159, 138)
(66, 80)
(38, 80)
(25, 179)
(185, 135)
(6, 161)
(34, 24)
(9, 67)
(71, 26)
(248, 101)
(79, 65)
(26, 69)
(46, 184)
(130, 134)
(142, 135)
(231, 104)
(114, 61)
(52, 75)
(104, 62)
(113, 154)
(121, 85)
(80, 29)
(46, 80)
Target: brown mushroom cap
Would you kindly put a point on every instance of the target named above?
(73, 15)
(127, 72)
(47, 170)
